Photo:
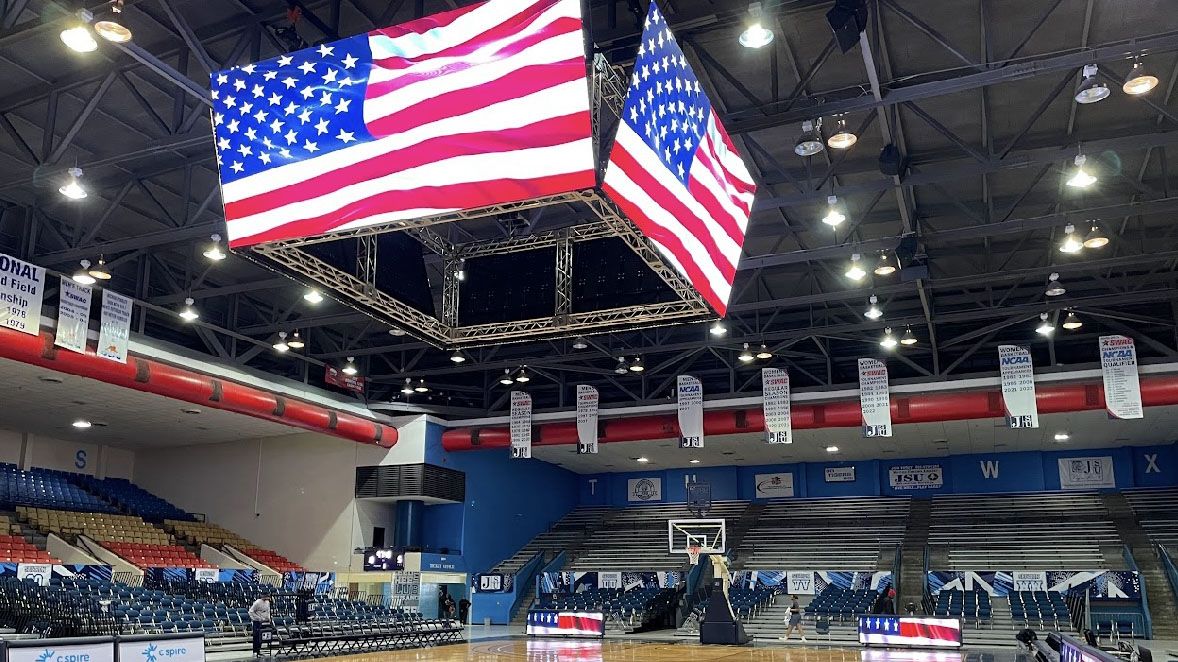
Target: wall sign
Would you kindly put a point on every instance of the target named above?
(22, 289)
(775, 405)
(1122, 389)
(39, 573)
(644, 489)
(916, 477)
(874, 400)
(207, 575)
(99, 651)
(521, 425)
(114, 326)
(179, 649)
(1018, 386)
(839, 474)
(1085, 473)
(588, 401)
(493, 583)
(773, 486)
(800, 582)
(691, 412)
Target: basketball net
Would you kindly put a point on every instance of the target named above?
(693, 552)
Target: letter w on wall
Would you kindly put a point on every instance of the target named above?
(989, 468)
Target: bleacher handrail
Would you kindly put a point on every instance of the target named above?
(526, 574)
(1169, 568)
(1132, 563)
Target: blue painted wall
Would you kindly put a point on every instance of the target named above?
(508, 502)
(1027, 471)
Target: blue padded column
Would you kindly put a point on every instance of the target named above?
(408, 529)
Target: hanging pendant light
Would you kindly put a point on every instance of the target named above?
(1081, 178)
(214, 252)
(421, 387)
(111, 27)
(523, 377)
(1139, 81)
(908, 338)
(1070, 244)
(1071, 322)
(1095, 238)
(295, 341)
(99, 271)
(620, 369)
(1091, 90)
(718, 329)
(72, 188)
(281, 346)
(885, 266)
(506, 379)
(580, 343)
(349, 368)
(1045, 327)
(1054, 287)
(407, 389)
(873, 310)
(755, 35)
(746, 355)
(843, 137)
(457, 357)
(188, 313)
(810, 142)
(78, 38)
(888, 341)
(637, 365)
(833, 216)
(854, 271)
(764, 353)
(312, 296)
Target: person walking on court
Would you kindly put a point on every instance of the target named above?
(793, 618)
(260, 618)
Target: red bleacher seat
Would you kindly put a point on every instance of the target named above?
(272, 559)
(147, 555)
(15, 549)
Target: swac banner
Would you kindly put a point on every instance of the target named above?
(588, 401)
(73, 316)
(1122, 390)
(1018, 386)
(874, 400)
(521, 425)
(22, 287)
(775, 404)
(691, 412)
(114, 326)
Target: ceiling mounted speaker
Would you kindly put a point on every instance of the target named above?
(847, 19)
(891, 162)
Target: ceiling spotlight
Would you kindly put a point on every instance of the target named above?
(1090, 89)
(833, 216)
(1071, 322)
(1045, 327)
(214, 252)
(621, 367)
(764, 353)
(888, 341)
(642, 460)
(1139, 81)
(82, 424)
(1070, 244)
(809, 143)
(1095, 238)
(82, 276)
(580, 343)
(855, 272)
(523, 377)
(885, 266)
(873, 310)
(718, 329)
(693, 461)
(842, 138)
(1054, 288)
(349, 368)
(908, 338)
(1062, 436)
(78, 38)
(756, 35)
(506, 379)
(281, 346)
(312, 296)
(746, 355)
(99, 271)
(1081, 178)
(110, 29)
(407, 389)
(421, 387)
(457, 357)
(392, 332)
(72, 188)
(832, 449)
(188, 313)
(460, 273)
(637, 366)
(295, 341)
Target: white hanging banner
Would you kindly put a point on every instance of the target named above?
(114, 326)
(775, 406)
(691, 412)
(1122, 390)
(73, 316)
(874, 401)
(521, 425)
(1018, 386)
(22, 288)
(588, 401)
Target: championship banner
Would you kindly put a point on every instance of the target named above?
(691, 412)
(336, 377)
(588, 401)
(73, 316)
(1086, 473)
(1122, 390)
(114, 326)
(521, 425)
(775, 405)
(1018, 386)
(22, 287)
(874, 400)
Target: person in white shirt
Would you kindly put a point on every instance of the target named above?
(260, 617)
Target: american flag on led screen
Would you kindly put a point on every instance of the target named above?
(674, 171)
(910, 631)
(482, 105)
(566, 623)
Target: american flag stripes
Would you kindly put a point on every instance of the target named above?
(674, 170)
(482, 105)
(580, 623)
(910, 631)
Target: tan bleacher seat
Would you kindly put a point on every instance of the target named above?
(101, 527)
(206, 533)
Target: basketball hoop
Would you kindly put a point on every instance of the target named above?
(693, 552)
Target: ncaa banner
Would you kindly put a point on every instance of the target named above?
(114, 326)
(1018, 386)
(73, 316)
(521, 425)
(1122, 390)
(691, 412)
(22, 287)
(775, 405)
(588, 401)
(1085, 473)
(874, 400)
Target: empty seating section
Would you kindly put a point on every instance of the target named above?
(1021, 532)
(15, 549)
(1157, 511)
(636, 538)
(842, 603)
(1039, 609)
(101, 527)
(631, 609)
(156, 556)
(205, 533)
(973, 606)
(131, 498)
(272, 560)
(832, 534)
(747, 603)
(564, 534)
(46, 488)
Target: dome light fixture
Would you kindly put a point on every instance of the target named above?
(885, 266)
(832, 449)
(1071, 322)
(1090, 89)
(888, 341)
(214, 252)
(99, 271)
(908, 338)
(842, 138)
(523, 377)
(1070, 244)
(764, 353)
(1054, 287)
(457, 357)
(1045, 328)
(873, 310)
(833, 217)
(295, 341)
(421, 387)
(1095, 238)
(718, 329)
(407, 389)
(82, 276)
(810, 142)
(460, 270)
(580, 343)
(77, 37)
(854, 271)
(188, 313)
(110, 28)
(281, 346)
(637, 365)
(506, 379)
(1062, 436)
(1081, 178)
(395, 331)
(349, 368)
(72, 188)
(82, 424)
(313, 297)
(746, 355)
(620, 369)
(756, 35)
(1139, 81)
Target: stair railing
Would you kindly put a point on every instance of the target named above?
(1128, 555)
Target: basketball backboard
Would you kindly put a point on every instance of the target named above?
(710, 535)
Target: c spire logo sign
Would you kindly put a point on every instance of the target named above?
(149, 653)
(47, 656)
